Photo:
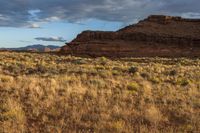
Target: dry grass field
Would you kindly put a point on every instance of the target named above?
(46, 93)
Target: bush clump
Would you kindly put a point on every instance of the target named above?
(145, 75)
(155, 80)
(173, 73)
(133, 70)
(134, 86)
(183, 82)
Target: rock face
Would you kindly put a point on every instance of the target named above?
(157, 35)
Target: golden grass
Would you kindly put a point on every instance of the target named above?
(50, 93)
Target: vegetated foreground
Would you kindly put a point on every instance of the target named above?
(50, 93)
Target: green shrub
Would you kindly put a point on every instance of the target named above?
(183, 82)
(155, 80)
(79, 62)
(173, 73)
(134, 86)
(133, 70)
(116, 73)
(103, 60)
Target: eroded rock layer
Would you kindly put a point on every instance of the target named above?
(155, 36)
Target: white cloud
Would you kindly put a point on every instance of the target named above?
(34, 26)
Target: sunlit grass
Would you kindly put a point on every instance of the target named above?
(50, 93)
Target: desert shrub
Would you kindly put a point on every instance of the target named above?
(153, 115)
(97, 83)
(116, 73)
(183, 82)
(105, 74)
(155, 80)
(4, 78)
(145, 75)
(103, 60)
(79, 61)
(133, 86)
(30, 71)
(173, 73)
(118, 126)
(14, 69)
(40, 68)
(133, 70)
(100, 67)
(117, 69)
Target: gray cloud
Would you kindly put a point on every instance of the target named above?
(13, 13)
(51, 39)
(17, 13)
(34, 26)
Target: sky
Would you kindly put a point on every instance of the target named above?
(54, 22)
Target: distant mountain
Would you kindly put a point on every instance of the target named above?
(35, 48)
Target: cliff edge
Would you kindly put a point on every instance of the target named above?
(157, 35)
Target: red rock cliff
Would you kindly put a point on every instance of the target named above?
(155, 36)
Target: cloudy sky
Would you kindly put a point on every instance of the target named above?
(26, 22)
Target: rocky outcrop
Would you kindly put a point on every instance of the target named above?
(155, 36)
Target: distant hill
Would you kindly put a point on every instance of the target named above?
(35, 48)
